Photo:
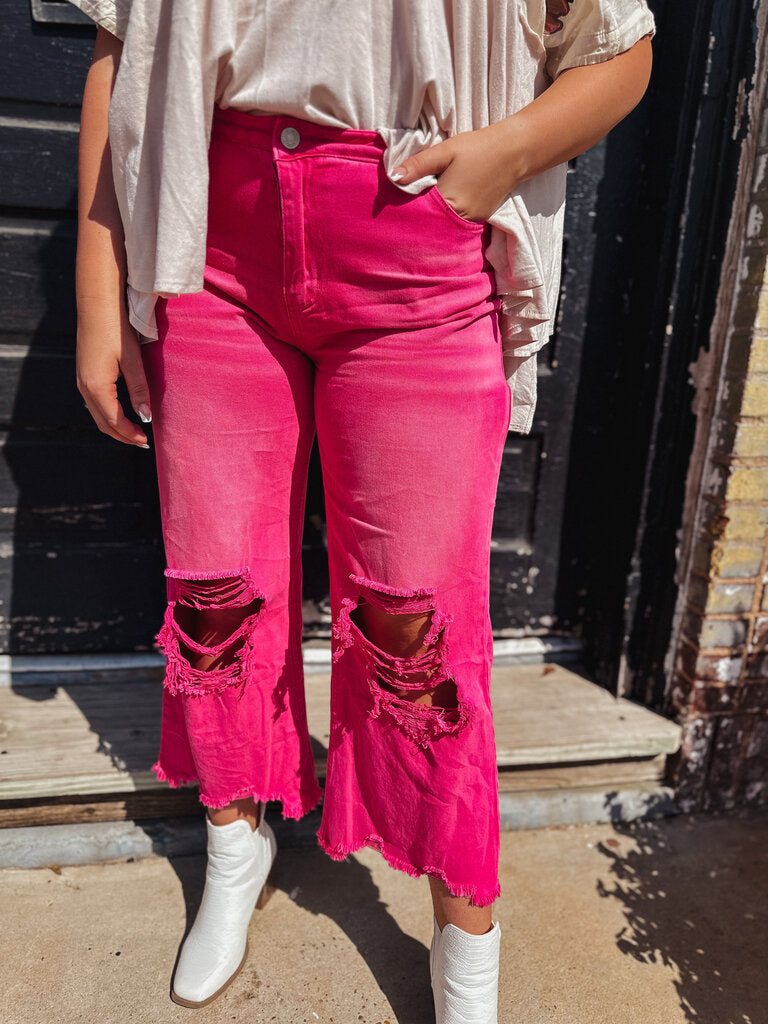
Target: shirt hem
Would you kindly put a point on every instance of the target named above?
(106, 19)
(605, 46)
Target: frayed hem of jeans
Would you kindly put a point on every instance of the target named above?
(185, 574)
(340, 851)
(174, 781)
(291, 807)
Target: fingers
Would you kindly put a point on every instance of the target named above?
(105, 352)
(103, 405)
(132, 368)
(432, 160)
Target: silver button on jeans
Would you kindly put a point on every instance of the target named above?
(290, 138)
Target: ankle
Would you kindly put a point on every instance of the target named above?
(458, 910)
(471, 932)
(247, 810)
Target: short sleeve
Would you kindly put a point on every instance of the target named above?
(581, 32)
(110, 14)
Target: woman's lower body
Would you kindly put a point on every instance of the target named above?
(334, 303)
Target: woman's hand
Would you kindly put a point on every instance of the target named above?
(107, 345)
(478, 169)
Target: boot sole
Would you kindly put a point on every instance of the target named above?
(204, 1002)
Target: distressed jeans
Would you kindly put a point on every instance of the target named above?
(334, 303)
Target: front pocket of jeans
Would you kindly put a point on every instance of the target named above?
(437, 196)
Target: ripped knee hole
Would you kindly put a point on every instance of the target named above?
(207, 633)
(403, 637)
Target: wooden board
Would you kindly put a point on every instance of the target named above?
(157, 803)
(550, 714)
(44, 64)
(79, 597)
(75, 746)
(550, 717)
(37, 274)
(564, 775)
(78, 485)
(26, 143)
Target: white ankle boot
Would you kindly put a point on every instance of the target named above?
(239, 860)
(465, 975)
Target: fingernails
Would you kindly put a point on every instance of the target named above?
(144, 414)
(398, 173)
(143, 446)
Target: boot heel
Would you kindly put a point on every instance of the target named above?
(269, 883)
(266, 892)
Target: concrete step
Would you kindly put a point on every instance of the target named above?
(79, 753)
(40, 846)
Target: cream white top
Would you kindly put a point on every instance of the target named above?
(416, 71)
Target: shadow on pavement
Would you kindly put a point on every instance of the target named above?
(697, 902)
(345, 893)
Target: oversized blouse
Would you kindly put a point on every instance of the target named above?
(415, 71)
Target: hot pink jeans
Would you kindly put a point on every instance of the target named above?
(334, 302)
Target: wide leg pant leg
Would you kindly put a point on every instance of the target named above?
(411, 430)
(233, 428)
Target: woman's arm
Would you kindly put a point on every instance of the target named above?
(107, 345)
(478, 169)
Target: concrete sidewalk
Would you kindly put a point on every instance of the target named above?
(653, 923)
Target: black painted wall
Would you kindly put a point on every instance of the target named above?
(662, 207)
(80, 550)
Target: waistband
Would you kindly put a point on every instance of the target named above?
(292, 136)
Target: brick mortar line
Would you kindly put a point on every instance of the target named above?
(743, 462)
(718, 684)
(693, 644)
(700, 574)
(718, 652)
(727, 616)
(720, 504)
(695, 609)
(703, 613)
(737, 580)
(682, 674)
